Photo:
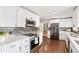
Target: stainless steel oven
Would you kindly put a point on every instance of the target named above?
(34, 41)
(30, 23)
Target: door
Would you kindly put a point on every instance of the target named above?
(54, 31)
(45, 29)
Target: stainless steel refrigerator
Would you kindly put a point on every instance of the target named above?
(54, 31)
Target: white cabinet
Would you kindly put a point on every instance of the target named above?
(13, 47)
(25, 45)
(62, 35)
(62, 22)
(66, 22)
(40, 38)
(48, 34)
(7, 16)
(75, 17)
(21, 45)
(0, 49)
(37, 21)
(21, 17)
(72, 48)
(23, 14)
(53, 21)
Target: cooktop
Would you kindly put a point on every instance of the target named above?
(30, 34)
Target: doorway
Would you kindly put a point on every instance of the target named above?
(45, 28)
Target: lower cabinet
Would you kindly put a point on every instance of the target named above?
(62, 35)
(13, 47)
(73, 49)
(20, 46)
(0, 49)
(25, 45)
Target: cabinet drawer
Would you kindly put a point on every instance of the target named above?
(25, 41)
(25, 46)
(26, 51)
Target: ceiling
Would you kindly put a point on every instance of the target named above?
(50, 12)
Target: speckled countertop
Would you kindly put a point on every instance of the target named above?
(72, 39)
(12, 38)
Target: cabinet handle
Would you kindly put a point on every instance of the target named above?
(13, 45)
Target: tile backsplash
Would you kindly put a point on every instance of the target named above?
(6, 29)
(19, 29)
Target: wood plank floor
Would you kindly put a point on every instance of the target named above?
(51, 46)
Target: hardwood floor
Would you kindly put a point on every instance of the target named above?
(51, 46)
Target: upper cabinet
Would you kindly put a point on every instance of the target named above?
(62, 22)
(75, 17)
(21, 17)
(36, 18)
(11, 16)
(66, 22)
(23, 14)
(7, 16)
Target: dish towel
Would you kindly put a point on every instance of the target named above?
(36, 40)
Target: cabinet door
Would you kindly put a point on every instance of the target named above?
(25, 45)
(36, 18)
(0, 49)
(13, 47)
(7, 16)
(62, 35)
(37, 21)
(73, 48)
(75, 18)
(21, 17)
(66, 22)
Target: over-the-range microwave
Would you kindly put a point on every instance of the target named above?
(30, 23)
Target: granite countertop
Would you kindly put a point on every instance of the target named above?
(72, 39)
(12, 38)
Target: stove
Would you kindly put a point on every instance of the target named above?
(30, 34)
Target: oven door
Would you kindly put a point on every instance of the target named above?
(34, 42)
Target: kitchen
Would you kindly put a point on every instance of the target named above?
(27, 29)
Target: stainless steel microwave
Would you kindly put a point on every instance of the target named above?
(30, 23)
